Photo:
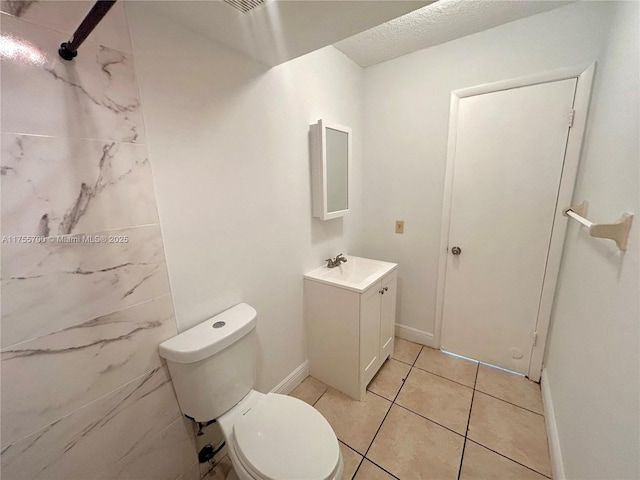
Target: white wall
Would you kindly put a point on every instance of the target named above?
(593, 358)
(230, 152)
(406, 125)
(593, 364)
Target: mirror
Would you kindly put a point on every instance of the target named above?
(330, 162)
(337, 146)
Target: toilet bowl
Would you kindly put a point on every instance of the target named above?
(269, 436)
(275, 437)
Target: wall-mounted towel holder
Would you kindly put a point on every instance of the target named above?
(618, 231)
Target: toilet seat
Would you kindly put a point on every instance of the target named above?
(283, 438)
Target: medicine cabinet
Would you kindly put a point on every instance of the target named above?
(330, 166)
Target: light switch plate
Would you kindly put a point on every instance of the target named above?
(399, 226)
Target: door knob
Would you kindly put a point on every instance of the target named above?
(456, 250)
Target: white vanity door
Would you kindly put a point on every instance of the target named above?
(388, 314)
(369, 334)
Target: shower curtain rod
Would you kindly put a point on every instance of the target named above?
(68, 50)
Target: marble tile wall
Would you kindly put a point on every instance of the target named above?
(85, 292)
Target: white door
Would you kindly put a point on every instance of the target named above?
(509, 154)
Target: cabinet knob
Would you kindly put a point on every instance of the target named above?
(386, 288)
(381, 291)
(456, 250)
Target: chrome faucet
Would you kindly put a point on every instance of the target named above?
(335, 262)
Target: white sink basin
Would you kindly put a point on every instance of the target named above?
(356, 274)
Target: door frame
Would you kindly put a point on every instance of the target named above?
(584, 74)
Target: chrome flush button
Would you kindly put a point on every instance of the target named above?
(219, 325)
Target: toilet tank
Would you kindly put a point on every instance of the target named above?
(212, 365)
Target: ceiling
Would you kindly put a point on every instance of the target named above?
(434, 24)
(280, 30)
(367, 31)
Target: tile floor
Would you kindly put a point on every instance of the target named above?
(429, 415)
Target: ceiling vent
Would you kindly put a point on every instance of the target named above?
(245, 6)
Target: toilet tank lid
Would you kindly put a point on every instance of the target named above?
(204, 339)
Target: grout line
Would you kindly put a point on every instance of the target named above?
(350, 448)
(445, 378)
(464, 445)
(466, 433)
(383, 469)
(428, 419)
(379, 426)
(78, 324)
(358, 453)
(74, 139)
(149, 373)
(359, 465)
(410, 364)
(508, 458)
(475, 380)
(142, 442)
(417, 356)
(414, 360)
(344, 443)
(393, 402)
(510, 403)
(381, 396)
(314, 403)
(404, 380)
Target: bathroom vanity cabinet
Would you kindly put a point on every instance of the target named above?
(350, 328)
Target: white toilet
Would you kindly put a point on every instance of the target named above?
(270, 437)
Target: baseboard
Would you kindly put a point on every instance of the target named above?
(294, 379)
(557, 467)
(415, 335)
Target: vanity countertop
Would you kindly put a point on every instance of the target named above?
(357, 274)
